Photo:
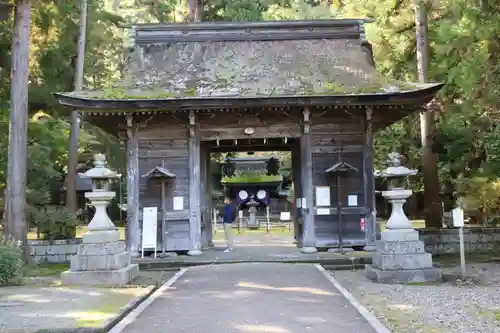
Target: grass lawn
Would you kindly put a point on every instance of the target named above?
(44, 270)
(276, 231)
(417, 224)
(80, 230)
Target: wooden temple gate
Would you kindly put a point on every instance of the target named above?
(305, 86)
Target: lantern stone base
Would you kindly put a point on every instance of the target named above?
(101, 236)
(102, 264)
(400, 257)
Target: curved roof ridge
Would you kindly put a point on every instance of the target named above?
(249, 31)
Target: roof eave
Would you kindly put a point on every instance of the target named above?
(230, 25)
(368, 99)
(249, 31)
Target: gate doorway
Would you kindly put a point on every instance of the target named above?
(259, 175)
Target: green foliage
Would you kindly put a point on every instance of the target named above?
(54, 222)
(481, 199)
(54, 32)
(11, 264)
(464, 48)
(251, 177)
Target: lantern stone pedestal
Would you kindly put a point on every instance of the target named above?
(102, 258)
(400, 256)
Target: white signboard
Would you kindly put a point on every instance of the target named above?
(352, 200)
(285, 216)
(323, 211)
(458, 217)
(323, 196)
(240, 214)
(298, 202)
(178, 203)
(149, 229)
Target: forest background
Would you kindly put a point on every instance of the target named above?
(464, 46)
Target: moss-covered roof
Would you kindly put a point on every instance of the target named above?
(163, 66)
(249, 69)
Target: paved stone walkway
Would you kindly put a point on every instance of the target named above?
(29, 309)
(251, 298)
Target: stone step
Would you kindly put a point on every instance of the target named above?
(181, 261)
(403, 235)
(114, 278)
(428, 275)
(96, 249)
(391, 262)
(385, 247)
(100, 262)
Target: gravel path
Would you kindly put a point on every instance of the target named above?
(459, 307)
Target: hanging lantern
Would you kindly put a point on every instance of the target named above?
(243, 195)
(261, 194)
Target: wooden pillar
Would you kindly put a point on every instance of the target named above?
(208, 180)
(308, 244)
(194, 187)
(205, 195)
(369, 184)
(296, 176)
(133, 227)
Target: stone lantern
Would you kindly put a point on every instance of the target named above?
(101, 259)
(252, 209)
(397, 175)
(400, 256)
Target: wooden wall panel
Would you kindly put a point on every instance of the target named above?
(173, 153)
(332, 143)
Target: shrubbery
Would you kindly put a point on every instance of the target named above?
(54, 222)
(11, 264)
(481, 199)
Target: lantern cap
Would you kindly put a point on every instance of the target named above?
(99, 171)
(396, 168)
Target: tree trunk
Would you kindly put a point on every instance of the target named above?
(432, 202)
(18, 133)
(71, 200)
(195, 10)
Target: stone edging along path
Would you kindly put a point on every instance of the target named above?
(369, 316)
(126, 319)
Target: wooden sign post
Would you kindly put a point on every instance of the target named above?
(458, 222)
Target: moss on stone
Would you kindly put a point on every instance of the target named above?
(121, 93)
(334, 87)
(374, 84)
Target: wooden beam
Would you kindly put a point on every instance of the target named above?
(369, 184)
(133, 227)
(270, 131)
(308, 244)
(194, 187)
